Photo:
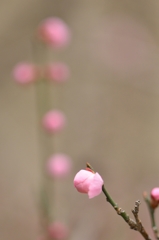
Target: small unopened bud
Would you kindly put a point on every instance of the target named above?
(25, 73)
(58, 231)
(87, 181)
(54, 32)
(154, 197)
(57, 72)
(54, 121)
(59, 165)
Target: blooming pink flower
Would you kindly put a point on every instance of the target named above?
(59, 165)
(25, 73)
(54, 32)
(58, 72)
(88, 182)
(58, 231)
(54, 121)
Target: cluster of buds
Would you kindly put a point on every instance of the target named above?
(55, 34)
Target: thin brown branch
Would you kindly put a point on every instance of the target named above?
(134, 224)
(139, 225)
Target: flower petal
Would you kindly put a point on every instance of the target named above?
(83, 180)
(95, 187)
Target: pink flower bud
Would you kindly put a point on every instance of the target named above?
(25, 73)
(154, 201)
(59, 165)
(54, 121)
(58, 231)
(58, 72)
(88, 182)
(155, 194)
(54, 32)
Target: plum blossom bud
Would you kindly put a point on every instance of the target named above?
(154, 197)
(54, 121)
(59, 165)
(88, 182)
(57, 72)
(155, 194)
(24, 73)
(58, 231)
(54, 32)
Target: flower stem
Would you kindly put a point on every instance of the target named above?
(119, 211)
(152, 215)
(40, 56)
(43, 103)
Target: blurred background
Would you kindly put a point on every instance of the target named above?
(112, 105)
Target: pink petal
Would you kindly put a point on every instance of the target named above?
(83, 180)
(95, 187)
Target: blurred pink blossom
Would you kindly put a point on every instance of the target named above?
(58, 231)
(25, 73)
(155, 194)
(54, 121)
(59, 165)
(54, 32)
(41, 238)
(88, 182)
(58, 72)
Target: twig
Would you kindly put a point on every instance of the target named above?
(135, 225)
(139, 225)
(119, 210)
